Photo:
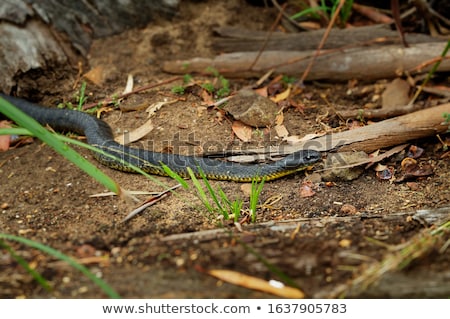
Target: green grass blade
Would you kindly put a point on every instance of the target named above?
(308, 11)
(14, 131)
(213, 193)
(224, 197)
(82, 97)
(430, 73)
(22, 262)
(236, 209)
(175, 176)
(225, 200)
(254, 196)
(59, 255)
(200, 192)
(40, 132)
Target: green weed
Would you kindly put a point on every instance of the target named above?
(80, 98)
(224, 88)
(254, 197)
(327, 9)
(446, 117)
(216, 201)
(178, 89)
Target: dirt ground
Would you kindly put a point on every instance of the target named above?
(319, 242)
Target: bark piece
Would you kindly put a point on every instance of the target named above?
(54, 35)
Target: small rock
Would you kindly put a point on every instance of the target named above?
(334, 162)
(252, 109)
(348, 209)
(314, 178)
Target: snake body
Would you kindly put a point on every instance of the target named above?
(99, 134)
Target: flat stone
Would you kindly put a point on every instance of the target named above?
(334, 162)
(252, 109)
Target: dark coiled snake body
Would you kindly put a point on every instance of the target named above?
(100, 135)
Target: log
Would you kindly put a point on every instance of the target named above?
(387, 133)
(427, 217)
(55, 35)
(233, 39)
(384, 134)
(365, 63)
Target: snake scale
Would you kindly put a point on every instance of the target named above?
(99, 134)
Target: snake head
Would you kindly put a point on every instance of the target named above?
(301, 158)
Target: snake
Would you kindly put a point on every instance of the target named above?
(100, 135)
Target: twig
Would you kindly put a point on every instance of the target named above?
(382, 113)
(322, 41)
(285, 15)
(140, 89)
(152, 200)
(395, 8)
(427, 217)
(272, 28)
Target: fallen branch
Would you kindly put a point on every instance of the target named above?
(391, 132)
(339, 65)
(382, 113)
(427, 217)
(233, 39)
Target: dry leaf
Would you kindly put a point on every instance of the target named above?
(207, 98)
(295, 139)
(396, 94)
(136, 134)
(306, 190)
(281, 131)
(279, 119)
(153, 108)
(380, 167)
(345, 243)
(282, 96)
(5, 140)
(130, 84)
(242, 131)
(262, 91)
(372, 13)
(250, 282)
(96, 75)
